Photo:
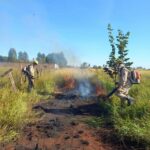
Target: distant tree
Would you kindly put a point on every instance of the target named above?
(20, 56)
(61, 60)
(85, 65)
(141, 68)
(3, 59)
(50, 58)
(41, 57)
(99, 67)
(12, 55)
(57, 58)
(23, 56)
(95, 67)
(26, 57)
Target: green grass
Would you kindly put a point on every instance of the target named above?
(15, 107)
(130, 124)
(96, 122)
(14, 112)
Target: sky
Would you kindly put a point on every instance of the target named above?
(76, 27)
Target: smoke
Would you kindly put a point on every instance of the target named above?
(72, 58)
(82, 83)
(70, 54)
(84, 88)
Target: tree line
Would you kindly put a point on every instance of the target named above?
(22, 56)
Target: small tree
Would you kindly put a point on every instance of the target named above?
(122, 41)
(112, 57)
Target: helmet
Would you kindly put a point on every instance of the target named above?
(35, 62)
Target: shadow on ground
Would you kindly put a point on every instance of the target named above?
(87, 109)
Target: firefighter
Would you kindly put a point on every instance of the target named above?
(29, 72)
(124, 84)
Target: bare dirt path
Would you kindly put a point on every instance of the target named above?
(60, 126)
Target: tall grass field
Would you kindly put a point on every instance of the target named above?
(130, 123)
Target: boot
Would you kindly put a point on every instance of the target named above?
(130, 100)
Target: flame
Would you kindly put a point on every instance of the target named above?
(78, 85)
(100, 90)
(69, 83)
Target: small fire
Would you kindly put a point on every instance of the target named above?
(70, 83)
(100, 90)
(83, 86)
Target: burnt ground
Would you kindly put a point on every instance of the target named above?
(60, 126)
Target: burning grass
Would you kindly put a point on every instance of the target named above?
(83, 84)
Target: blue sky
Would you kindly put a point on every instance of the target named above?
(76, 27)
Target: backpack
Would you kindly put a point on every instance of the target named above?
(135, 77)
(25, 70)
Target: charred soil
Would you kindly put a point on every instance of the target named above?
(60, 126)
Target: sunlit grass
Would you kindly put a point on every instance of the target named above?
(132, 123)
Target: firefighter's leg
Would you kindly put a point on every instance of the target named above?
(130, 100)
(30, 84)
(123, 97)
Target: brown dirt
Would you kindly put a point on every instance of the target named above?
(60, 126)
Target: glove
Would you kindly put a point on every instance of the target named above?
(32, 77)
